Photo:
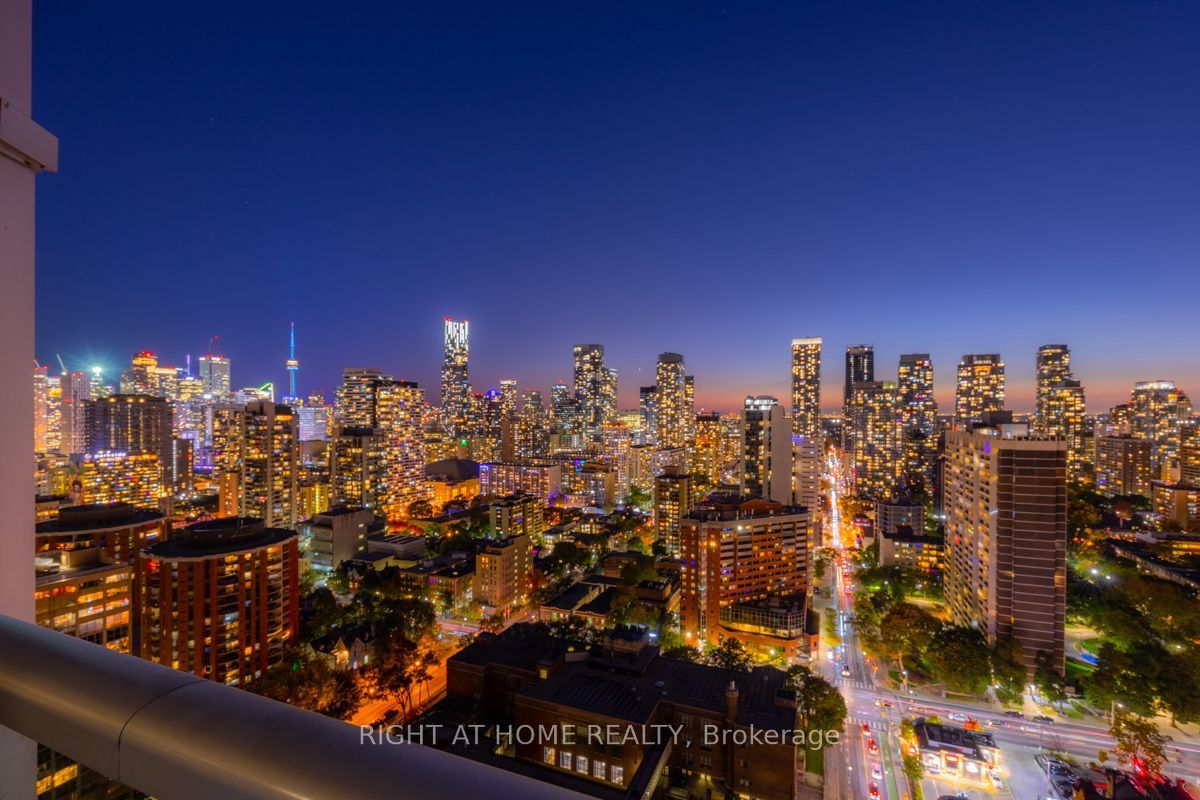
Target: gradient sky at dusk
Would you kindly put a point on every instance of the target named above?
(703, 178)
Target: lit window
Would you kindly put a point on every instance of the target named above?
(599, 769)
(616, 774)
(581, 765)
(564, 760)
(548, 755)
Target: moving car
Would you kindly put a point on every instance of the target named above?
(866, 728)
(873, 791)
(1014, 714)
(1042, 718)
(876, 772)
(957, 717)
(872, 745)
(845, 672)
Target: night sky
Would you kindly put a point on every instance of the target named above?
(700, 178)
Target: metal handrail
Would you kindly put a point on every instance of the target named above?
(176, 736)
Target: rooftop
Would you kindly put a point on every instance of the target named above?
(218, 537)
(95, 517)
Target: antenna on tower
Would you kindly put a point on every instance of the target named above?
(292, 364)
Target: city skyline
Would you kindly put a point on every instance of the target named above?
(964, 164)
(1104, 389)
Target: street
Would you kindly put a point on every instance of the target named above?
(872, 759)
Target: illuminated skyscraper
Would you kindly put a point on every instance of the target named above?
(766, 463)
(1005, 500)
(980, 388)
(648, 409)
(874, 432)
(615, 442)
(76, 392)
(1061, 405)
(215, 375)
(918, 418)
(672, 499)
(130, 423)
(1053, 367)
(456, 384)
(508, 399)
(1157, 409)
(712, 452)
(671, 397)
(860, 368)
(369, 401)
(257, 461)
(533, 428)
(43, 434)
(1123, 465)
(142, 375)
(1189, 453)
(357, 468)
(595, 391)
(806, 388)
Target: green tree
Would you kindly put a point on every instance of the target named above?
(1008, 670)
(311, 684)
(832, 637)
(682, 652)
(1138, 740)
(420, 509)
(1127, 676)
(729, 654)
(961, 658)
(820, 708)
(1050, 683)
(907, 630)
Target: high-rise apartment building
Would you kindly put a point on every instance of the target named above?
(1053, 367)
(806, 388)
(368, 400)
(980, 388)
(1061, 404)
(860, 368)
(917, 409)
(1123, 465)
(130, 423)
(648, 409)
(671, 398)
(711, 452)
(595, 387)
(220, 599)
(357, 468)
(1157, 411)
(258, 446)
(1005, 502)
(541, 478)
(873, 431)
(1189, 452)
(736, 556)
(672, 499)
(766, 455)
(533, 428)
(104, 477)
(76, 392)
(456, 384)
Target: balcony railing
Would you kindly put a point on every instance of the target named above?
(176, 736)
